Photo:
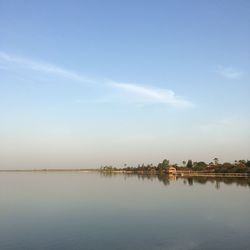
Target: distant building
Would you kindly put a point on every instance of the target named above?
(171, 170)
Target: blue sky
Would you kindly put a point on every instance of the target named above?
(90, 83)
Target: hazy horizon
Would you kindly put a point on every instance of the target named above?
(91, 83)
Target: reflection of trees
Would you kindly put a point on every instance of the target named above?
(217, 185)
(190, 181)
(166, 179)
(239, 181)
(108, 174)
(201, 180)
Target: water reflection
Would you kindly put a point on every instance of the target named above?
(189, 181)
(238, 181)
(76, 210)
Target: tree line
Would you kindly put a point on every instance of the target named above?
(215, 166)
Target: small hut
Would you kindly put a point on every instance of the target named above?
(171, 170)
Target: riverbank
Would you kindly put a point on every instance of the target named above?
(181, 173)
(178, 173)
(205, 174)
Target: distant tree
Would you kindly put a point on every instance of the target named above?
(248, 164)
(216, 161)
(142, 166)
(199, 165)
(184, 163)
(242, 163)
(189, 164)
(227, 165)
(165, 163)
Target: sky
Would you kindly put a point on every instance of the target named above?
(91, 83)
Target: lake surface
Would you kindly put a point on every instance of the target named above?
(74, 210)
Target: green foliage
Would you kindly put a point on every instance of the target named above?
(198, 166)
(165, 164)
(239, 166)
(189, 164)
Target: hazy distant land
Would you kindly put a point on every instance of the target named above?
(240, 168)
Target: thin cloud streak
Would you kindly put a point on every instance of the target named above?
(134, 92)
(230, 73)
(44, 67)
(154, 95)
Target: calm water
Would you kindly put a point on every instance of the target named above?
(93, 211)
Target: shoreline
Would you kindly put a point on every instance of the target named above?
(184, 174)
(49, 170)
(178, 173)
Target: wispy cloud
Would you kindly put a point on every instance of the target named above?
(43, 67)
(132, 92)
(230, 73)
(152, 95)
